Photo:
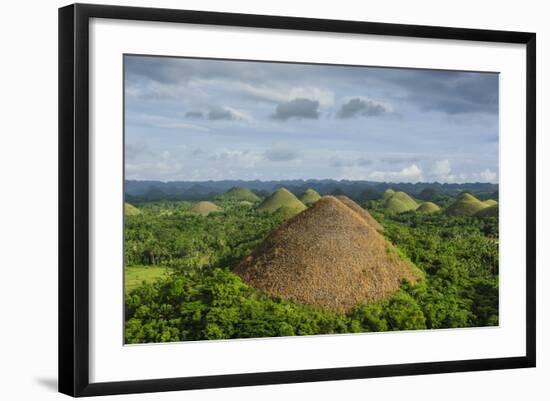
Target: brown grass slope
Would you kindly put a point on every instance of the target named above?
(360, 211)
(327, 256)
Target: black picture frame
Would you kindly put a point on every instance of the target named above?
(74, 201)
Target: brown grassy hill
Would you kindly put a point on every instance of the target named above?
(204, 208)
(327, 256)
(361, 212)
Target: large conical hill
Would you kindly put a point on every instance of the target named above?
(361, 212)
(327, 256)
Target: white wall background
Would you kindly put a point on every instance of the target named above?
(28, 199)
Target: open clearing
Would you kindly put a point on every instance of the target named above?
(134, 276)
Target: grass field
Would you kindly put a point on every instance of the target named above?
(134, 276)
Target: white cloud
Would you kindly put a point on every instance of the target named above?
(412, 173)
(272, 93)
(485, 176)
(441, 168)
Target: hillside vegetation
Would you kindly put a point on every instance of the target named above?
(243, 272)
(130, 210)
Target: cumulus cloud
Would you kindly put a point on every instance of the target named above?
(297, 108)
(412, 173)
(358, 107)
(281, 153)
(441, 168)
(486, 176)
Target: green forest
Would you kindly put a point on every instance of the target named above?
(180, 257)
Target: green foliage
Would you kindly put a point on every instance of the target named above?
(184, 239)
(460, 258)
(135, 276)
(202, 299)
(216, 304)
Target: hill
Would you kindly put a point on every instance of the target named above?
(282, 198)
(309, 197)
(400, 202)
(429, 194)
(465, 205)
(327, 256)
(130, 210)
(491, 211)
(387, 194)
(490, 202)
(239, 194)
(204, 208)
(428, 207)
(361, 212)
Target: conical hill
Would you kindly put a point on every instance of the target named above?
(204, 208)
(239, 194)
(465, 205)
(428, 207)
(327, 256)
(309, 197)
(360, 211)
(283, 200)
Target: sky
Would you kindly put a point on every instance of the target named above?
(204, 119)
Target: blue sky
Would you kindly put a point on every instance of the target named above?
(197, 119)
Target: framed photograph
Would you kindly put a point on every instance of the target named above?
(251, 199)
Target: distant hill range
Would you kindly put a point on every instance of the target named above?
(357, 190)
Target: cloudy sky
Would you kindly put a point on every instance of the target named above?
(195, 119)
